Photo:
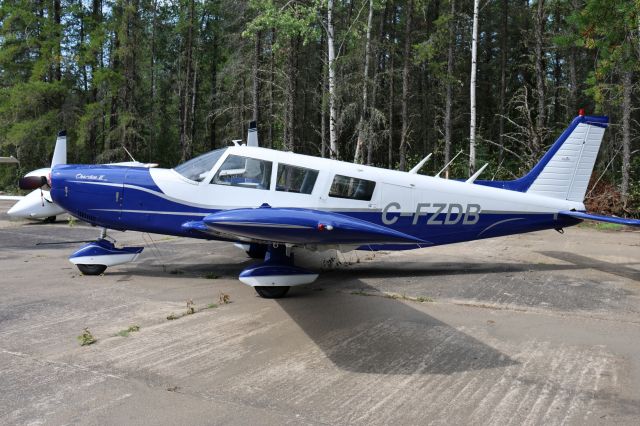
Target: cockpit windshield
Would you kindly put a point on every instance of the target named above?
(198, 168)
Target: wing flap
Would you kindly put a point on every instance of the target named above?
(601, 218)
(303, 226)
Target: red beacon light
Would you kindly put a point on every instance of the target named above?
(581, 112)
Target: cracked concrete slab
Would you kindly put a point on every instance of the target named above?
(533, 329)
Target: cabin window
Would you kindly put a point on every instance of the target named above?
(352, 188)
(245, 172)
(295, 179)
(198, 168)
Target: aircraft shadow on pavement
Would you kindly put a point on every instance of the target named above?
(370, 334)
(428, 269)
(584, 262)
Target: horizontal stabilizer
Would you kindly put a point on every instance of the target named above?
(601, 218)
(302, 226)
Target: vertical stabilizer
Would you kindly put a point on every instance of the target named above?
(568, 168)
(564, 171)
(252, 134)
(60, 151)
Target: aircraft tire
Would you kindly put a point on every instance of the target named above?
(91, 269)
(271, 292)
(257, 251)
(50, 219)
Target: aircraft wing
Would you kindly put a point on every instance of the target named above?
(298, 226)
(601, 218)
(12, 160)
(11, 197)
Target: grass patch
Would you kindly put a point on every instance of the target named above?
(361, 293)
(395, 296)
(191, 307)
(211, 276)
(86, 338)
(601, 226)
(224, 299)
(127, 331)
(176, 272)
(72, 221)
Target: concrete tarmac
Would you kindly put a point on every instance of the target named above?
(540, 328)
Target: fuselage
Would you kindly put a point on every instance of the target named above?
(436, 210)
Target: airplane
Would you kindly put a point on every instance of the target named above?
(272, 201)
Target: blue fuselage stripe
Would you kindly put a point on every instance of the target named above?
(141, 206)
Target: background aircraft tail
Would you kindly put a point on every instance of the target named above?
(60, 151)
(564, 171)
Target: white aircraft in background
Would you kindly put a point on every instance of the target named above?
(38, 203)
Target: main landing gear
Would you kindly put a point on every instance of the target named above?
(95, 257)
(272, 278)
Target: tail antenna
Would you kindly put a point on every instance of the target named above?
(129, 154)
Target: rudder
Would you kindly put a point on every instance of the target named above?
(567, 172)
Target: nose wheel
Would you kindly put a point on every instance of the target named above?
(95, 257)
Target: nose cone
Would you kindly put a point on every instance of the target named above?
(16, 210)
(32, 207)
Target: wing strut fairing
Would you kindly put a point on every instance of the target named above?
(299, 226)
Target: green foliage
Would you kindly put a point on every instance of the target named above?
(86, 338)
(127, 331)
(168, 78)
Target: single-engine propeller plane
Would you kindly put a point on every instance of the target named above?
(271, 201)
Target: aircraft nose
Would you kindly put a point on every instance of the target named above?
(14, 211)
(21, 209)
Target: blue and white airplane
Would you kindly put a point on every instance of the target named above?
(272, 201)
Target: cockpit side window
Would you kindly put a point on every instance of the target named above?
(244, 172)
(198, 168)
(352, 188)
(296, 179)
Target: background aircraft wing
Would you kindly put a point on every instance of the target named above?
(11, 197)
(12, 160)
(298, 226)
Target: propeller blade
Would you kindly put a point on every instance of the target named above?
(32, 182)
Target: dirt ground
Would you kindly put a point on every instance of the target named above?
(533, 329)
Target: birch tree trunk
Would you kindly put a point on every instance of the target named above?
(391, 97)
(358, 157)
(503, 72)
(58, 35)
(256, 81)
(290, 96)
(378, 69)
(333, 115)
(405, 87)
(627, 88)
(540, 77)
(472, 89)
(449, 97)
(272, 79)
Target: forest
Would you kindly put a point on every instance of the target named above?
(380, 82)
